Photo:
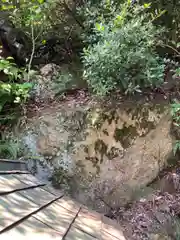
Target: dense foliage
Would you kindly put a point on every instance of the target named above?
(124, 57)
(12, 93)
(12, 96)
(163, 13)
(121, 38)
(169, 20)
(120, 44)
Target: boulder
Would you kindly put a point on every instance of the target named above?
(106, 154)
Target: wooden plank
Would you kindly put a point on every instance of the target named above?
(15, 182)
(14, 207)
(31, 229)
(52, 190)
(89, 222)
(98, 226)
(56, 217)
(69, 204)
(8, 183)
(38, 195)
(28, 179)
(107, 236)
(76, 234)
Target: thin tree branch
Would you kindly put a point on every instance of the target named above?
(175, 50)
(33, 50)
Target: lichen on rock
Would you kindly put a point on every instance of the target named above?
(104, 151)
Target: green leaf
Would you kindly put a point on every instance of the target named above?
(147, 5)
(40, 1)
(10, 58)
(99, 27)
(44, 41)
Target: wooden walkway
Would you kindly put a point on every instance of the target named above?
(30, 210)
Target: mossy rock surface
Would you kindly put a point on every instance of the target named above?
(113, 149)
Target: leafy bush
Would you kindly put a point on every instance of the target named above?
(169, 20)
(12, 95)
(10, 146)
(124, 58)
(25, 13)
(164, 13)
(93, 12)
(8, 149)
(50, 24)
(10, 69)
(11, 92)
(31, 21)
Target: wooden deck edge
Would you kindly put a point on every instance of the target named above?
(12, 161)
(21, 189)
(37, 182)
(29, 215)
(70, 225)
(14, 172)
(51, 191)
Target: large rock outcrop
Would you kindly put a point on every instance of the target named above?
(101, 154)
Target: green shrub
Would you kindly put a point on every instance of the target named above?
(124, 58)
(12, 93)
(10, 146)
(8, 149)
(94, 12)
(10, 69)
(171, 21)
(91, 13)
(164, 13)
